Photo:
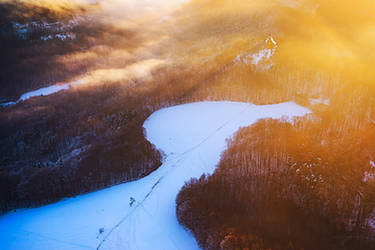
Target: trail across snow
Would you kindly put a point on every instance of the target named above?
(192, 136)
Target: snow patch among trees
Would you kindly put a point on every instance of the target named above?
(192, 136)
(259, 61)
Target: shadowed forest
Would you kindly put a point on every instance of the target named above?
(286, 186)
(308, 184)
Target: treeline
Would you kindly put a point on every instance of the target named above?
(33, 36)
(89, 138)
(72, 144)
(306, 185)
(82, 140)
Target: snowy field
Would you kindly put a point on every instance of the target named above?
(192, 136)
(42, 92)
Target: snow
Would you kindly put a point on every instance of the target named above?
(262, 54)
(24, 30)
(255, 58)
(66, 36)
(266, 53)
(259, 60)
(62, 37)
(42, 92)
(319, 101)
(45, 38)
(270, 39)
(369, 175)
(192, 137)
(7, 104)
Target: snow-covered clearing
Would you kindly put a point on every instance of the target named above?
(262, 54)
(42, 92)
(192, 136)
(260, 60)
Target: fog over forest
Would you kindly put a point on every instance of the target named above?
(80, 78)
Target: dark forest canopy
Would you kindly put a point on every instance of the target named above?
(279, 185)
(283, 186)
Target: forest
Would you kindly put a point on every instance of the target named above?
(305, 184)
(286, 186)
(29, 45)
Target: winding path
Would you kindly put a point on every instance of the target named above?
(192, 136)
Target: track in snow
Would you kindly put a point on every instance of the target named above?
(192, 136)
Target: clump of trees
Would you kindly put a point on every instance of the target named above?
(34, 36)
(81, 140)
(64, 150)
(291, 186)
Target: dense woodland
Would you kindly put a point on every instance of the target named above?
(33, 37)
(305, 185)
(279, 185)
(45, 159)
(286, 186)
